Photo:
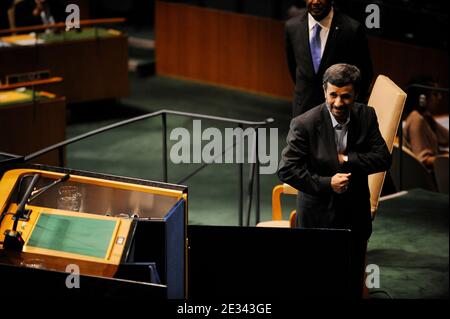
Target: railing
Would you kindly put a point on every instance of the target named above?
(254, 170)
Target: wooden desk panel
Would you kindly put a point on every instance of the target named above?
(223, 48)
(27, 127)
(92, 69)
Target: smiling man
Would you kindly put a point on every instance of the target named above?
(331, 150)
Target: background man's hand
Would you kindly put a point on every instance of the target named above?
(339, 182)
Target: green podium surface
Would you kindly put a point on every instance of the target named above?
(84, 236)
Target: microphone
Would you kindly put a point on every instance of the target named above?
(21, 207)
(13, 238)
(40, 191)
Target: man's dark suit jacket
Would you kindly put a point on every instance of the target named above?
(310, 160)
(346, 43)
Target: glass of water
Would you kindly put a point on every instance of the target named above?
(69, 198)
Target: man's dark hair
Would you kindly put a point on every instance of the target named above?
(342, 74)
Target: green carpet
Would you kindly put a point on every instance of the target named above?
(410, 244)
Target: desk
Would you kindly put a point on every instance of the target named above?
(93, 63)
(26, 127)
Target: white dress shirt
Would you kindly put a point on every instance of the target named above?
(340, 133)
(325, 24)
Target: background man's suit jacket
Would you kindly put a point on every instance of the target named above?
(310, 160)
(346, 43)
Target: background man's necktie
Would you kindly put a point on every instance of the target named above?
(315, 45)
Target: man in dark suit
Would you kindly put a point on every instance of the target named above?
(331, 150)
(317, 38)
(5, 5)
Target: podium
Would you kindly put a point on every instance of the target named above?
(276, 263)
(127, 237)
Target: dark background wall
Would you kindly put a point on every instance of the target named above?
(419, 22)
(412, 38)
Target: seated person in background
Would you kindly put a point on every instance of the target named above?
(422, 134)
(4, 7)
(42, 10)
(36, 12)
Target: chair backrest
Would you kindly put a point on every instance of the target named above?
(441, 173)
(388, 100)
(414, 173)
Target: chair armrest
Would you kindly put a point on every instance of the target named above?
(289, 190)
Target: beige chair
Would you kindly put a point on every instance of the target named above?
(277, 216)
(414, 173)
(388, 100)
(441, 173)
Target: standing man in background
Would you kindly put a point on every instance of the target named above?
(5, 5)
(317, 38)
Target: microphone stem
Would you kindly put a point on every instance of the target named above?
(21, 207)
